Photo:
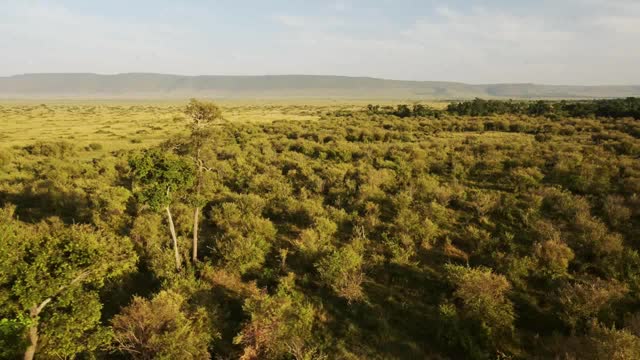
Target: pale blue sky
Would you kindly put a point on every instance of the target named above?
(542, 41)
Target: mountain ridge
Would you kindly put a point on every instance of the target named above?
(154, 85)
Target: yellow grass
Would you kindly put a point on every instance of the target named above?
(139, 123)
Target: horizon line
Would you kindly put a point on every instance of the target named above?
(317, 76)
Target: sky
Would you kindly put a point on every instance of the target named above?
(572, 42)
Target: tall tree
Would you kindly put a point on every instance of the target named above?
(202, 115)
(159, 176)
(51, 266)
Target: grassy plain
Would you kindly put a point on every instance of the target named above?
(122, 124)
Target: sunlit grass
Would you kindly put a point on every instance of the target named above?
(122, 125)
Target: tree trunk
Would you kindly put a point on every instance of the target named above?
(175, 239)
(33, 339)
(196, 213)
(36, 310)
(196, 216)
(33, 329)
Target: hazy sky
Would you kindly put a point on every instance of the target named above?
(542, 41)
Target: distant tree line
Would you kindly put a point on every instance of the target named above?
(613, 108)
(404, 111)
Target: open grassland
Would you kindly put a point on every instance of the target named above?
(123, 125)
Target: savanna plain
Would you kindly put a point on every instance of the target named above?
(318, 229)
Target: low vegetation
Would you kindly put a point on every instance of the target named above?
(484, 230)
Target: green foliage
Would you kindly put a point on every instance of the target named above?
(584, 299)
(161, 328)
(553, 257)
(66, 264)
(615, 108)
(109, 205)
(159, 175)
(202, 113)
(318, 238)
(404, 111)
(483, 295)
(280, 325)
(12, 336)
(151, 241)
(599, 343)
(245, 236)
(342, 271)
(484, 305)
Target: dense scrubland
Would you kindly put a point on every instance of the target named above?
(486, 230)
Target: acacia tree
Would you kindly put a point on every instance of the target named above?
(159, 176)
(50, 266)
(202, 115)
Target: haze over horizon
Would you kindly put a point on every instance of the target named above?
(568, 42)
(248, 75)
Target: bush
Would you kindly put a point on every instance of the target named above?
(94, 147)
(6, 156)
(281, 325)
(160, 328)
(246, 237)
(483, 295)
(59, 149)
(341, 270)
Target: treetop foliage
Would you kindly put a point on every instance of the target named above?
(159, 174)
(202, 113)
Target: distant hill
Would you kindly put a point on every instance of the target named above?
(141, 85)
